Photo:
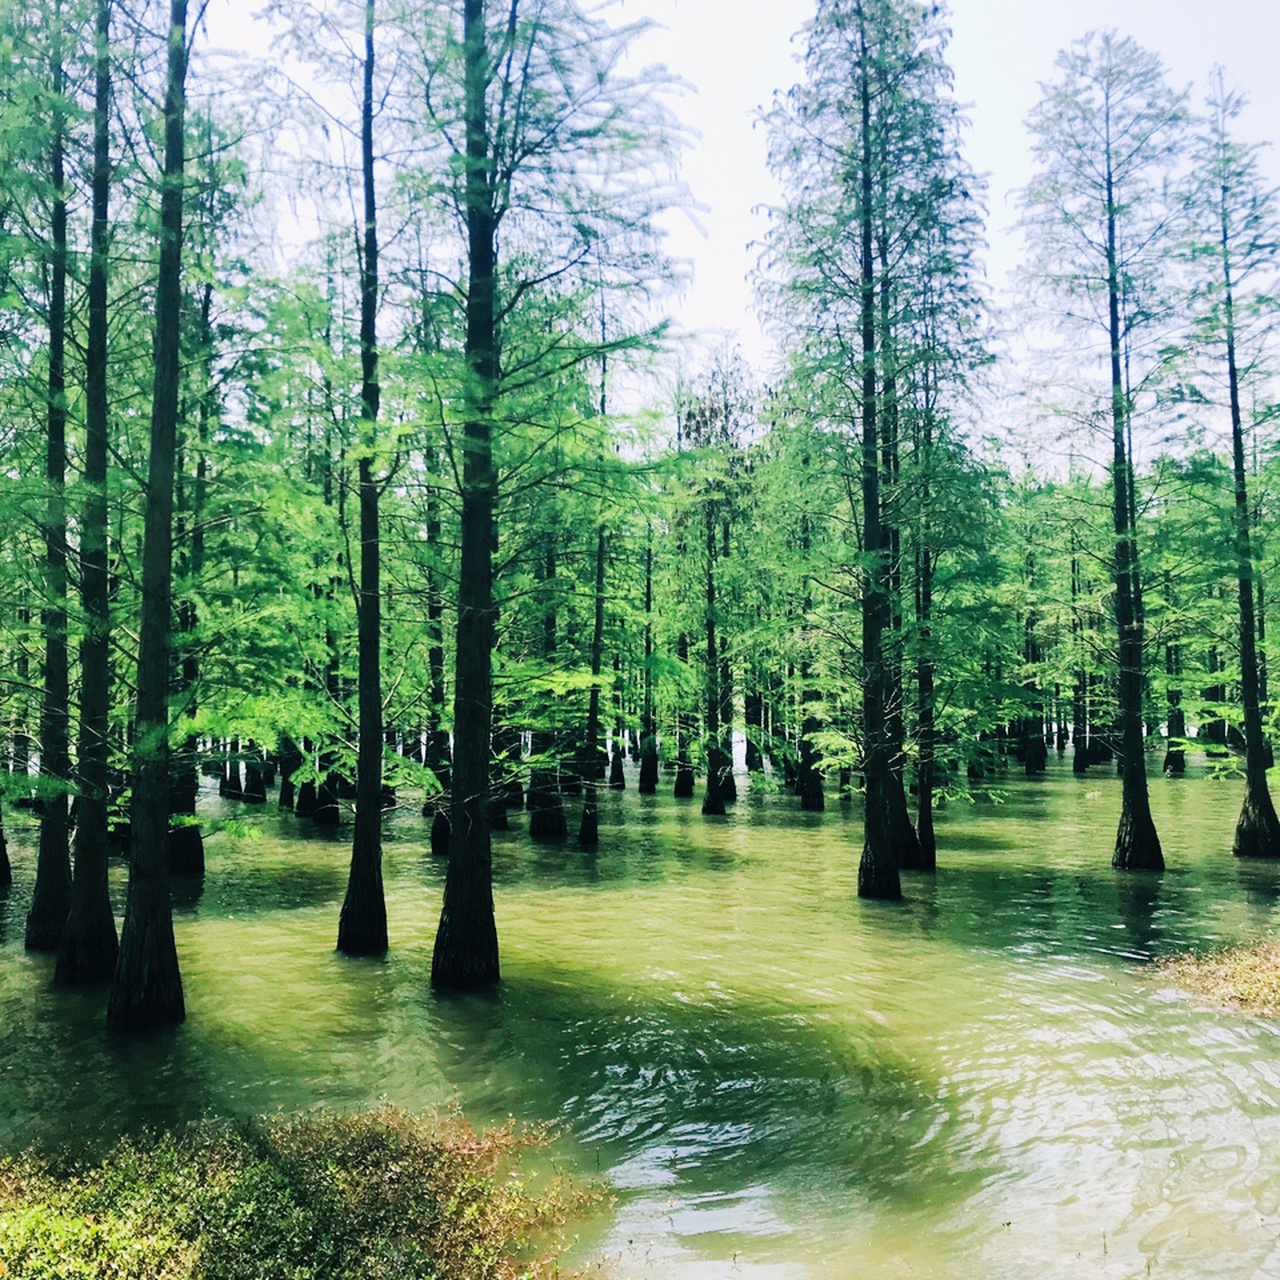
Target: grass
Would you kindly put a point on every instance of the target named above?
(379, 1195)
(1243, 978)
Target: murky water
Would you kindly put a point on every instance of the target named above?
(780, 1081)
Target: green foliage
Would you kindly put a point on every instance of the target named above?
(324, 1197)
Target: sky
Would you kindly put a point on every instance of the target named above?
(736, 56)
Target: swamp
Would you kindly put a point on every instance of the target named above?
(775, 1078)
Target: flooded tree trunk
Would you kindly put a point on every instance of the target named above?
(362, 924)
(617, 778)
(648, 783)
(51, 898)
(878, 867)
(589, 828)
(1175, 757)
(713, 797)
(290, 763)
(146, 990)
(1258, 828)
(1137, 844)
(753, 722)
(547, 819)
(682, 789)
(466, 946)
(186, 844)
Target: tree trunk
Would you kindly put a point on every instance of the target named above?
(147, 988)
(682, 788)
(466, 945)
(589, 828)
(1137, 844)
(878, 867)
(713, 799)
(1258, 827)
(648, 783)
(362, 926)
(51, 900)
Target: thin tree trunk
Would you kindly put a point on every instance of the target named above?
(713, 799)
(589, 828)
(90, 944)
(147, 988)
(682, 788)
(466, 945)
(1137, 844)
(878, 868)
(648, 783)
(51, 900)
(1258, 828)
(362, 926)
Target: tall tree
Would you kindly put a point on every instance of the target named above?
(466, 946)
(51, 899)
(90, 944)
(362, 928)
(146, 990)
(1100, 215)
(869, 150)
(1239, 238)
(546, 113)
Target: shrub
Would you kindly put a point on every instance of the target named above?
(381, 1195)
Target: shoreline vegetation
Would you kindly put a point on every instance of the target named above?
(1246, 979)
(365, 1196)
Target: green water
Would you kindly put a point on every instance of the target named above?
(780, 1081)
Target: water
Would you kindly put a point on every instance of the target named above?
(781, 1082)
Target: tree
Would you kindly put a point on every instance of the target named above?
(89, 944)
(1238, 239)
(48, 915)
(1100, 216)
(868, 146)
(146, 990)
(545, 115)
(362, 929)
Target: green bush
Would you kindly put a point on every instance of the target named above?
(379, 1195)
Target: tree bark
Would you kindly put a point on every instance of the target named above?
(147, 987)
(589, 828)
(648, 782)
(362, 925)
(713, 799)
(466, 945)
(1137, 844)
(1258, 828)
(878, 867)
(51, 899)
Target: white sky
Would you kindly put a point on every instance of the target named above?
(737, 54)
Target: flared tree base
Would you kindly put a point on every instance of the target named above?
(878, 875)
(465, 957)
(1137, 845)
(362, 926)
(146, 989)
(548, 823)
(186, 851)
(90, 948)
(1258, 828)
(440, 835)
(648, 782)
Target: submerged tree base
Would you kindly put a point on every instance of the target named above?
(1243, 978)
(377, 1194)
(1258, 829)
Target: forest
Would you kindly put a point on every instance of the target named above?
(429, 510)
